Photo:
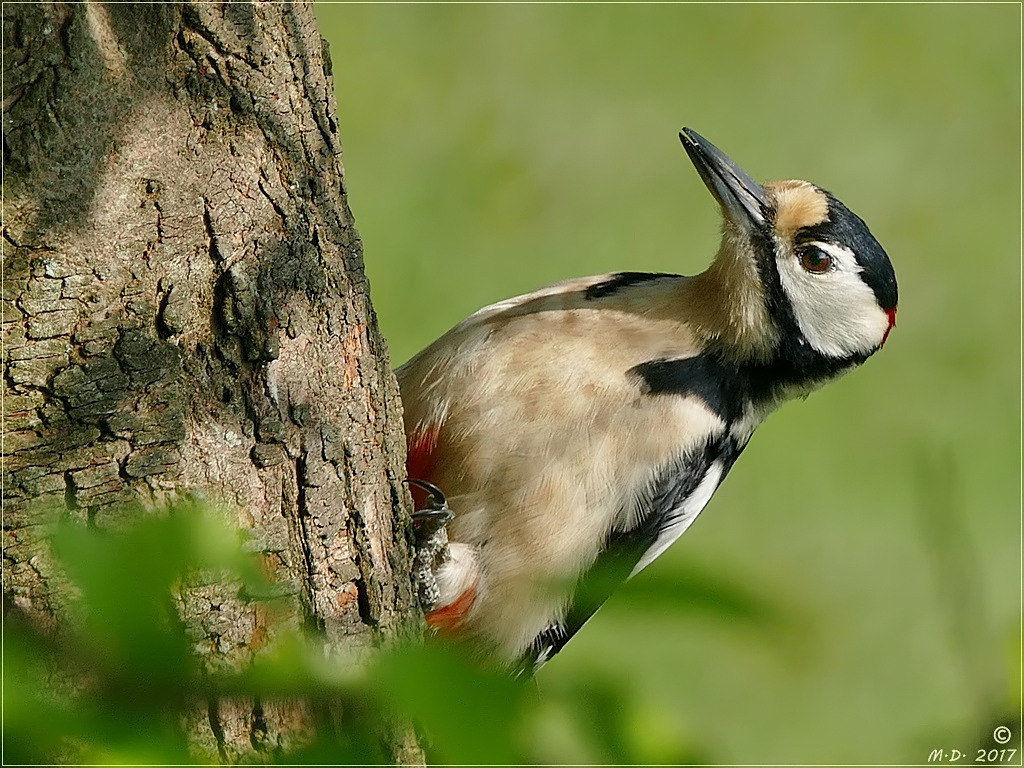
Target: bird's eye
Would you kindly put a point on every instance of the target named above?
(816, 261)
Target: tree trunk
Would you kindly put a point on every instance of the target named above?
(185, 313)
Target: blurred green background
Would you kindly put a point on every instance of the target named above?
(490, 150)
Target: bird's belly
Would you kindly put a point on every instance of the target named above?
(541, 509)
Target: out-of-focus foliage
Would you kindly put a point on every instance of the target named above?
(491, 149)
(107, 687)
(112, 684)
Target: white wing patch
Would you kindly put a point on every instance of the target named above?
(678, 520)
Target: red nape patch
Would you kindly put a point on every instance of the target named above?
(449, 618)
(892, 323)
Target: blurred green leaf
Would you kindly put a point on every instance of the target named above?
(112, 684)
(469, 713)
(694, 590)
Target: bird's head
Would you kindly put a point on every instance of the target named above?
(807, 270)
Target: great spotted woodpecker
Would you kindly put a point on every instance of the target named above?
(586, 425)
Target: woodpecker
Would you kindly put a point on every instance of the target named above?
(578, 431)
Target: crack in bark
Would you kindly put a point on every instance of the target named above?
(259, 730)
(217, 728)
(313, 618)
(69, 492)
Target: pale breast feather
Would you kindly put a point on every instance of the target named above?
(677, 493)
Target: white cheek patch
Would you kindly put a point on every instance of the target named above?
(836, 312)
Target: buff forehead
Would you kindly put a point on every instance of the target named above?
(798, 204)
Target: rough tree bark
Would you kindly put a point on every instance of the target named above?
(185, 311)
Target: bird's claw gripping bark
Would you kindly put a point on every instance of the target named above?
(431, 542)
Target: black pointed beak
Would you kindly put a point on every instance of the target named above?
(742, 199)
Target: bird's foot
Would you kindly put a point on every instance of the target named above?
(431, 542)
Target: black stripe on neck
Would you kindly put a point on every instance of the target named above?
(729, 388)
